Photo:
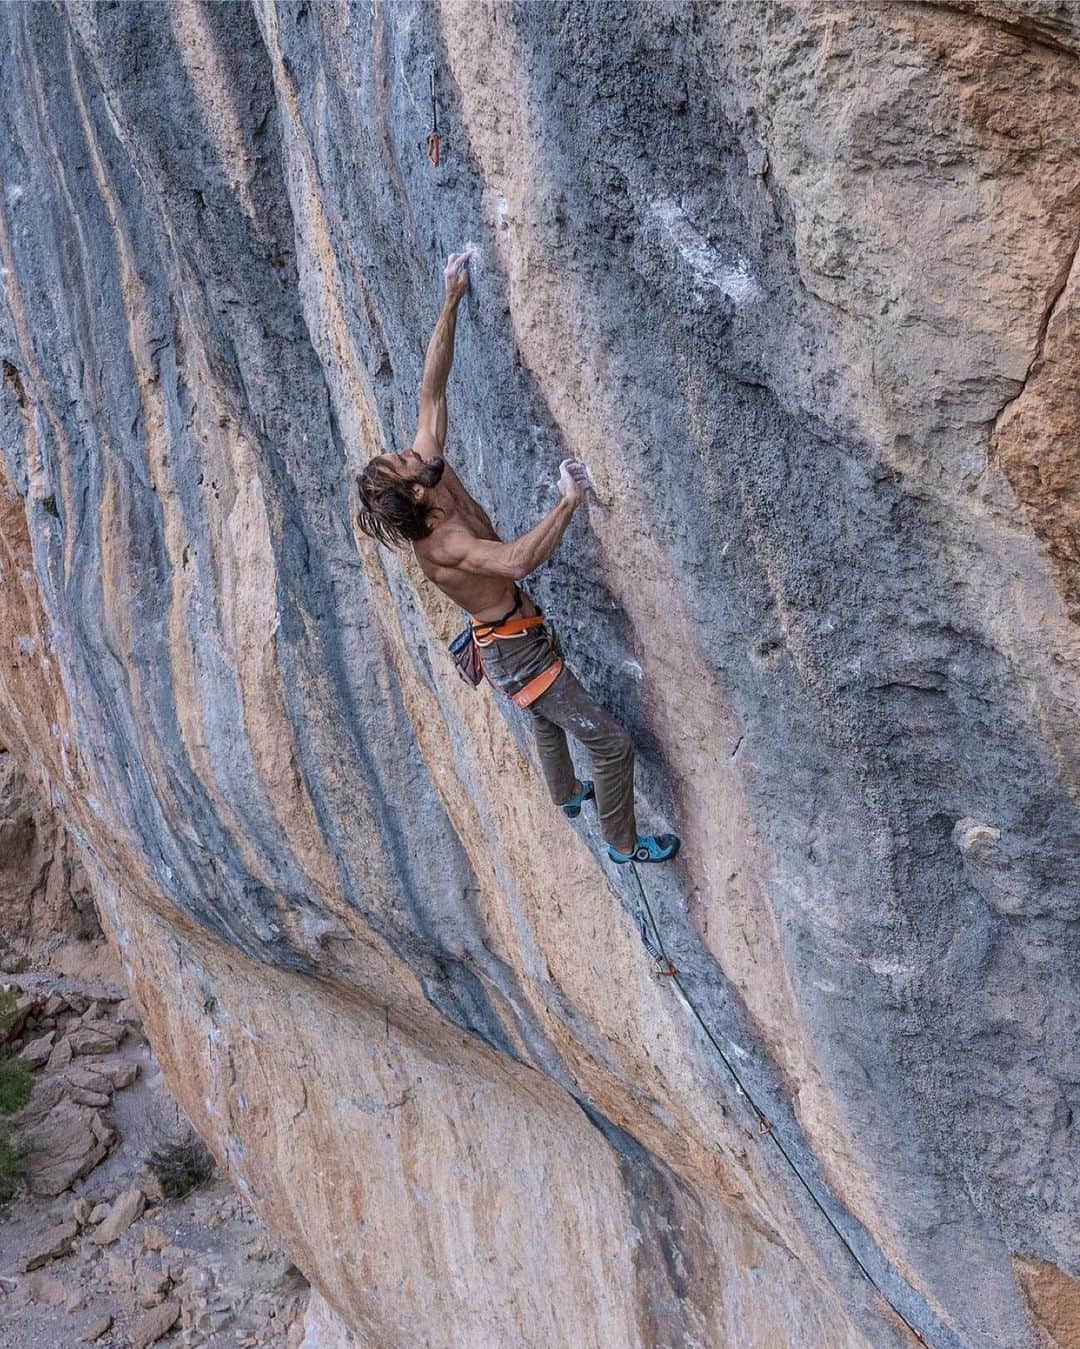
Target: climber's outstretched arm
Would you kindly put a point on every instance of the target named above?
(431, 428)
(459, 549)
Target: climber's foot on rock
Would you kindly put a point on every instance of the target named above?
(649, 848)
(572, 808)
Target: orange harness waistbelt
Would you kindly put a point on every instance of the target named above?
(517, 627)
(513, 627)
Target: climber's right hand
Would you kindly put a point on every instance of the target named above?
(456, 274)
(573, 480)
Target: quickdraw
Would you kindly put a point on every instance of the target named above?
(434, 140)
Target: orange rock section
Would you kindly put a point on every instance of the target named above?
(44, 895)
(438, 1192)
(33, 710)
(1055, 1301)
(1037, 440)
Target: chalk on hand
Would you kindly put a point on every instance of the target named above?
(573, 471)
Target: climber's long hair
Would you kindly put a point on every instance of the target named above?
(389, 513)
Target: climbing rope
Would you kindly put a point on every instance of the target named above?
(654, 944)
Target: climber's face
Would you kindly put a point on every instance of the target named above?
(413, 468)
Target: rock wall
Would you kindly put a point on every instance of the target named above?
(797, 280)
(45, 899)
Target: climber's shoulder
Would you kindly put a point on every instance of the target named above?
(449, 541)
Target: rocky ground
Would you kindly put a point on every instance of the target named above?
(91, 1251)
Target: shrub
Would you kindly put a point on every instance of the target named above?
(181, 1164)
(16, 1082)
(16, 1087)
(12, 1153)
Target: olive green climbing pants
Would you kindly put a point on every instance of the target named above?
(566, 708)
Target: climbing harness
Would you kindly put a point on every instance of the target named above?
(434, 140)
(654, 944)
(484, 634)
(466, 648)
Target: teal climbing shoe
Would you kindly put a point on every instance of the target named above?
(649, 848)
(572, 808)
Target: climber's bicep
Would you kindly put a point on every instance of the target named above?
(478, 557)
(428, 444)
(431, 424)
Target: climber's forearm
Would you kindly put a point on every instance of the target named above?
(440, 353)
(431, 428)
(534, 548)
(514, 560)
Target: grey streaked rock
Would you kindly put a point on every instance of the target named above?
(799, 283)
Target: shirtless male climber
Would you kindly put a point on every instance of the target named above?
(416, 497)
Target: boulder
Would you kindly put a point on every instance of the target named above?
(89, 1077)
(92, 1039)
(94, 1329)
(49, 1092)
(54, 1242)
(67, 1143)
(121, 1072)
(125, 1209)
(61, 1055)
(152, 1325)
(103, 1131)
(37, 1051)
(24, 1007)
(84, 1096)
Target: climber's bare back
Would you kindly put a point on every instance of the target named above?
(485, 597)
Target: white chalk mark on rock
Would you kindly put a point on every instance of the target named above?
(732, 276)
(889, 968)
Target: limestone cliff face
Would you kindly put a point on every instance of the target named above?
(799, 282)
(44, 895)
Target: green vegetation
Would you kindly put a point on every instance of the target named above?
(16, 1086)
